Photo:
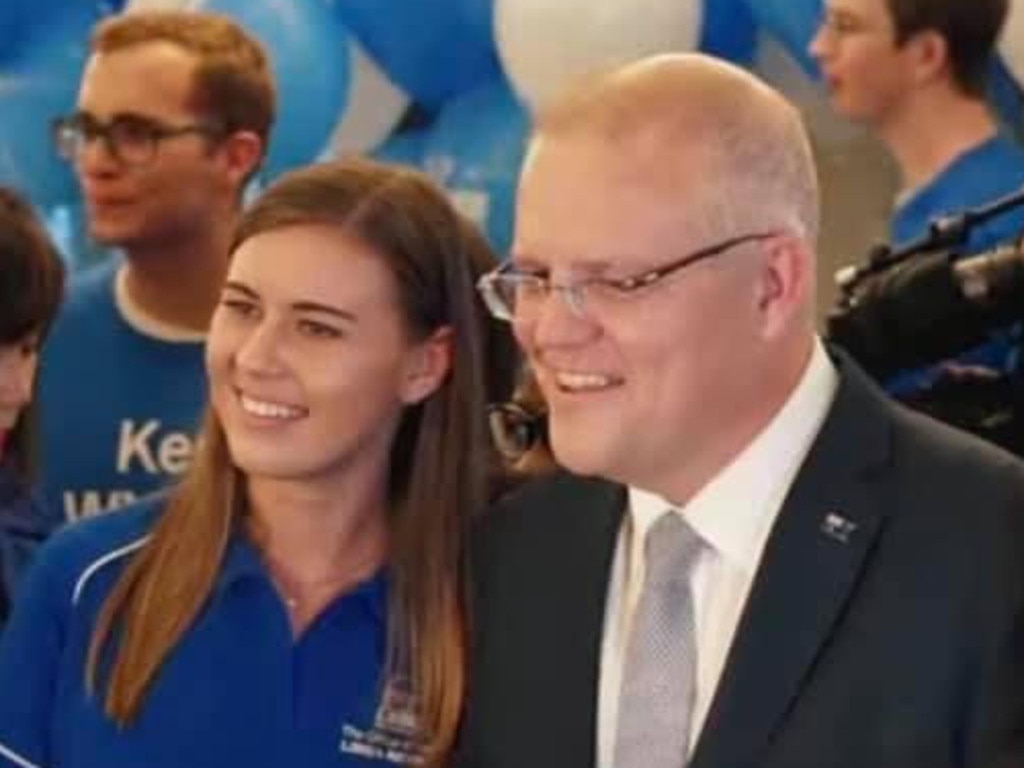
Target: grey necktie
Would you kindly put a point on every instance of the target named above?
(659, 675)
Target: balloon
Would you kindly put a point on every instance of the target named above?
(543, 44)
(24, 20)
(308, 50)
(475, 150)
(433, 49)
(37, 84)
(375, 105)
(405, 148)
(1011, 43)
(791, 22)
(729, 31)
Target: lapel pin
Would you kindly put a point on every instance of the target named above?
(837, 527)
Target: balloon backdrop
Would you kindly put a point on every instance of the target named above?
(475, 149)
(433, 49)
(308, 47)
(544, 44)
(791, 22)
(729, 31)
(375, 105)
(406, 147)
(38, 83)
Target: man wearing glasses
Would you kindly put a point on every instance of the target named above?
(173, 116)
(755, 559)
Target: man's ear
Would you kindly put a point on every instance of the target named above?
(929, 54)
(429, 364)
(784, 287)
(241, 153)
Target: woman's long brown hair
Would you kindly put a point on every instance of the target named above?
(440, 462)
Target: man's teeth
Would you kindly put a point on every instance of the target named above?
(270, 410)
(583, 381)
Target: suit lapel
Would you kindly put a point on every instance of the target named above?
(574, 597)
(812, 561)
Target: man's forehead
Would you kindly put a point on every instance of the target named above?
(644, 162)
(152, 78)
(859, 9)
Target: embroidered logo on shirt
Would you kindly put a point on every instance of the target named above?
(393, 737)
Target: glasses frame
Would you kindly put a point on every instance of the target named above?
(160, 132)
(489, 285)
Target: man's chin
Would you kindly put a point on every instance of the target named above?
(114, 237)
(580, 456)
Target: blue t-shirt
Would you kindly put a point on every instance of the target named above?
(977, 177)
(238, 690)
(119, 407)
(993, 169)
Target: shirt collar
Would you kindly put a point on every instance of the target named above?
(735, 511)
(242, 561)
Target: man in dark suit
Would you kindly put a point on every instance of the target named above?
(759, 560)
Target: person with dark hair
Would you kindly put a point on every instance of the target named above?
(916, 73)
(173, 117)
(297, 599)
(31, 287)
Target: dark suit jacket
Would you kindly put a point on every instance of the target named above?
(897, 644)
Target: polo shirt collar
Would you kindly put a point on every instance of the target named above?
(242, 561)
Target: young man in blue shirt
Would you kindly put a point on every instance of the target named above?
(173, 117)
(916, 74)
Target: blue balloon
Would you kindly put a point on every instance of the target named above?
(475, 150)
(433, 49)
(793, 23)
(405, 147)
(38, 83)
(21, 20)
(729, 31)
(309, 51)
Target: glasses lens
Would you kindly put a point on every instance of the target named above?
(67, 136)
(514, 429)
(134, 141)
(497, 295)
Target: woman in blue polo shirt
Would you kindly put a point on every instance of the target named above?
(297, 599)
(31, 287)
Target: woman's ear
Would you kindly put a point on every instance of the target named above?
(428, 365)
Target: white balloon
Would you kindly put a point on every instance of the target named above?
(1011, 44)
(543, 44)
(373, 109)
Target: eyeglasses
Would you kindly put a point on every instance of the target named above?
(130, 139)
(509, 294)
(841, 25)
(516, 429)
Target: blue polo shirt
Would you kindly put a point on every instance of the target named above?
(238, 690)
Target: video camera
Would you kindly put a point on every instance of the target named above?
(924, 303)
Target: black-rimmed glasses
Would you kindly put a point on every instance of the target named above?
(129, 139)
(509, 293)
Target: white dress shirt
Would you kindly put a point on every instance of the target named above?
(733, 514)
